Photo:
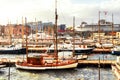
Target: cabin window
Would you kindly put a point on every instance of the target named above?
(38, 59)
(20, 30)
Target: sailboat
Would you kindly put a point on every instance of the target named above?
(69, 45)
(47, 61)
(100, 44)
(37, 42)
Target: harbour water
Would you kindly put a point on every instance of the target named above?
(73, 74)
(86, 73)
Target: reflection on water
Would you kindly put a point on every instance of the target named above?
(70, 74)
(102, 57)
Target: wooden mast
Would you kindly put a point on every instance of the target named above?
(26, 38)
(112, 29)
(74, 36)
(99, 28)
(56, 17)
(36, 31)
(23, 40)
(9, 31)
(22, 31)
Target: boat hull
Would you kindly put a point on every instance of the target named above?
(77, 51)
(14, 51)
(87, 51)
(67, 66)
(2, 65)
(115, 52)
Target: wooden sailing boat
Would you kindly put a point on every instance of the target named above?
(46, 61)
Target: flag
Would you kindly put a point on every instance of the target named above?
(105, 12)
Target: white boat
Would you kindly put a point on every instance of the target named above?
(13, 49)
(115, 50)
(104, 45)
(2, 65)
(88, 41)
(67, 66)
(69, 47)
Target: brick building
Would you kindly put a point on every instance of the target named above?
(15, 30)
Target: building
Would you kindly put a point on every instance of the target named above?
(61, 28)
(20, 30)
(104, 26)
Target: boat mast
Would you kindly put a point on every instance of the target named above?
(22, 31)
(23, 40)
(99, 28)
(36, 32)
(112, 29)
(26, 38)
(9, 27)
(73, 35)
(56, 17)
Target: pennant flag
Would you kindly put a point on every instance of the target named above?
(105, 12)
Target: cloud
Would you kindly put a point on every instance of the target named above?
(44, 10)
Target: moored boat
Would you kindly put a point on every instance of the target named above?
(115, 50)
(69, 47)
(104, 45)
(47, 61)
(2, 65)
(13, 49)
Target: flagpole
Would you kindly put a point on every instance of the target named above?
(112, 28)
(99, 27)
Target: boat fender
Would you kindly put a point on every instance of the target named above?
(112, 52)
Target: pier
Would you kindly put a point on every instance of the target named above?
(116, 70)
(95, 63)
(103, 50)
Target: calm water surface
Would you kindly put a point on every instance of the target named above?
(73, 74)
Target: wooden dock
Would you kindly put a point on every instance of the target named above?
(99, 50)
(116, 70)
(11, 61)
(95, 63)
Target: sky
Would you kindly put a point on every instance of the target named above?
(44, 10)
